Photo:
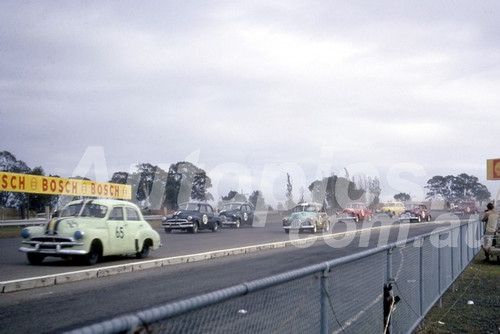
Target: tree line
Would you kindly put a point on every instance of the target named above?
(155, 188)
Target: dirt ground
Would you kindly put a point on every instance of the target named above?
(471, 305)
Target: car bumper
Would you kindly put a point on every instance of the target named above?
(301, 228)
(52, 248)
(346, 218)
(229, 223)
(298, 225)
(408, 218)
(179, 224)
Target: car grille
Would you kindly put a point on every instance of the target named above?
(176, 223)
(51, 242)
(52, 238)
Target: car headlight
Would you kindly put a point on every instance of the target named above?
(78, 235)
(25, 233)
(189, 218)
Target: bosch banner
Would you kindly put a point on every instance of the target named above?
(37, 184)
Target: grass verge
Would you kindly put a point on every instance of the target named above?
(10, 232)
(471, 305)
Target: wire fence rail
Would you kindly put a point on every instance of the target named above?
(387, 289)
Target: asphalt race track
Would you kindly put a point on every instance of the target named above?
(58, 307)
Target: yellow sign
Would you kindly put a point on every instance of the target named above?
(493, 169)
(37, 184)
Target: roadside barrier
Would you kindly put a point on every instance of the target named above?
(357, 294)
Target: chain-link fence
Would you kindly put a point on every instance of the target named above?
(387, 289)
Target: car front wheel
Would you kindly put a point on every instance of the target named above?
(315, 227)
(35, 259)
(94, 254)
(238, 223)
(326, 227)
(215, 227)
(194, 229)
(144, 251)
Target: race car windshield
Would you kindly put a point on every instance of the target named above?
(189, 207)
(72, 210)
(307, 208)
(311, 208)
(85, 210)
(230, 206)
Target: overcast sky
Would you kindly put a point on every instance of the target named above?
(252, 90)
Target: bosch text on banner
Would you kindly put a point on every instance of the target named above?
(37, 184)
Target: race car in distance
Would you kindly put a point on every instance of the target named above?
(416, 213)
(236, 213)
(90, 229)
(392, 208)
(307, 217)
(465, 207)
(356, 212)
(192, 216)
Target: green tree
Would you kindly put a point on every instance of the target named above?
(9, 163)
(467, 187)
(454, 188)
(147, 183)
(119, 178)
(185, 181)
(18, 200)
(289, 195)
(402, 197)
(38, 202)
(372, 189)
(318, 190)
(334, 192)
(440, 187)
(234, 196)
(257, 200)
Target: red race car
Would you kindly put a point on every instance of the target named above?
(357, 212)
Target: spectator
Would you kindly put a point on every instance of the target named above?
(490, 219)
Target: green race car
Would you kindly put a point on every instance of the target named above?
(307, 217)
(90, 229)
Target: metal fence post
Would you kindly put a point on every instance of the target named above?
(452, 256)
(390, 280)
(324, 300)
(439, 270)
(421, 276)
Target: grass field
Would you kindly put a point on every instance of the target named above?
(10, 232)
(471, 305)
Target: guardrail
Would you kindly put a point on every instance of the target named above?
(23, 222)
(353, 294)
(40, 221)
